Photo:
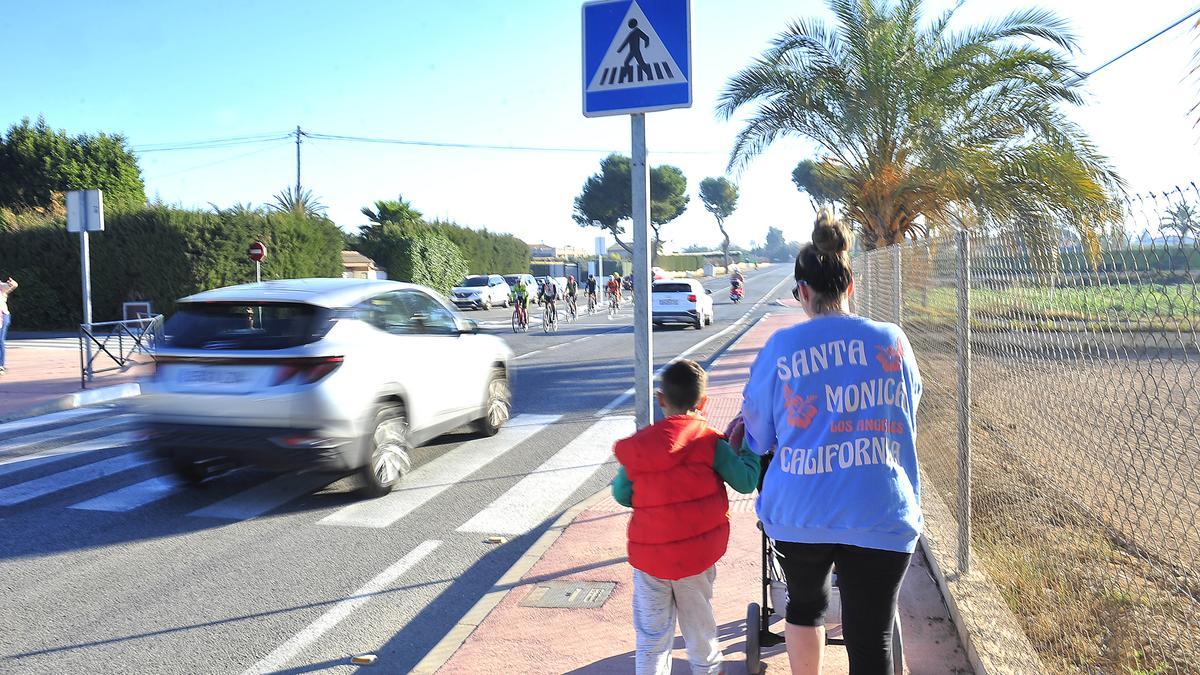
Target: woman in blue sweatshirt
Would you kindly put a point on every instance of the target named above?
(835, 398)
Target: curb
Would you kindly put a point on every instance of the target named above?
(78, 399)
(448, 645)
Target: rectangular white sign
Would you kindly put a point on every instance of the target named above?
(85, 211)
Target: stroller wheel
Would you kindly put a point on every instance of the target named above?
(897, 647)
(753, 635)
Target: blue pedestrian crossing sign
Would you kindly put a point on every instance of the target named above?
(637, 56)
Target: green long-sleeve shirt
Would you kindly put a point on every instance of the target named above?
(738, 468)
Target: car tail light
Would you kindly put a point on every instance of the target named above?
(306, 371)
(692, 297)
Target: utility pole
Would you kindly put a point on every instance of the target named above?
(298, 134)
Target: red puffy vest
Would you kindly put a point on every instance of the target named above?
(680, 523)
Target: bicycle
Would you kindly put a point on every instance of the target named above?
(520, 319)
(572, 311)
(591, 303)
(549, 319)
(613, 305)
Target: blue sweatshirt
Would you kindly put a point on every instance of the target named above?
(836, 398)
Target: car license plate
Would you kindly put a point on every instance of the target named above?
(668, 301)
(216, 378)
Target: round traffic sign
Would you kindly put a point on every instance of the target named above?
(257, 251)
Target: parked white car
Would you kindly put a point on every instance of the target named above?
(681, 301)
(481, 291)
(342, 375)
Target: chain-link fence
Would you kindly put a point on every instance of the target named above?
(1080, 365)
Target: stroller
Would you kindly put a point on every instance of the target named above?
(774, 602)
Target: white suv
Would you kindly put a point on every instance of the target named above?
(320, 375)
(681, 301)
(481, 291)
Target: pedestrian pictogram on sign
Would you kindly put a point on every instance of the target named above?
(636, 56)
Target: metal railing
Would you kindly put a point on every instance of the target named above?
(1060, 427)
(111, 346)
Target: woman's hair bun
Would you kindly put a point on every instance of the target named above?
(830, 235)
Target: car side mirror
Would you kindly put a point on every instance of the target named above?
(708, 291)
(468, 326)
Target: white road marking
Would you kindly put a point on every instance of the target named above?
(63, 433)
(40, 487)
(21, 462)
(527, 354)
(47, 420)
(132, 496)
(432, 479)
(288, 650)
(625, 395)
(265, 496)
(539, 495)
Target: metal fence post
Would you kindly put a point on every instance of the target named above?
(897, 278)
(963, 338)
(867, 287)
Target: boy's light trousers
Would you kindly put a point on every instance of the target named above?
(657, 603)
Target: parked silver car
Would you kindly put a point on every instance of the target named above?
(320, 375)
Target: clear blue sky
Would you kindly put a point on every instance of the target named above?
(484, 71)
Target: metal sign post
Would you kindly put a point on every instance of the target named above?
(85, 213)
(643, 335)
(637, 57)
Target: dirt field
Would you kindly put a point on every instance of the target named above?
(1086, 492)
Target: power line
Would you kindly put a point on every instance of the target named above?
(209, 144)
(1138, 46)
(482, 146)
(223, 160)
(342, 138)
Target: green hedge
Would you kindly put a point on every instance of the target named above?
(159, 254)
(681, 262)
(414, 252)
(487, 252)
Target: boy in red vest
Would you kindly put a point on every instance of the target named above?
(673, 473)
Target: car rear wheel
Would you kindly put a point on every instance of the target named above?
(699, 323)
(390, 451)
(498, 406)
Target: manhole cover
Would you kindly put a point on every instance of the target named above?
(569, 594)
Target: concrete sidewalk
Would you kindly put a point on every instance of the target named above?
(512, 638)
(40, 380)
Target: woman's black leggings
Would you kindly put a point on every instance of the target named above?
(869, 583)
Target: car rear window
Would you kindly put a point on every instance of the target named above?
(474, 281)
(512, 280)
(673, 288)
(244, 325)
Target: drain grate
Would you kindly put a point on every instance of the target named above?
(569, 594)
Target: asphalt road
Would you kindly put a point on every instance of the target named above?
(106, 565)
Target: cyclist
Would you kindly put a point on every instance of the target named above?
(549, 295)
(520, 298)
(591, 290)
(572, 291)
(614, 289)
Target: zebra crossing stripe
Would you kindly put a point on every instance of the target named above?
(62, 433)
(265, 497)
(11, 464)
(40, 487)
(540, 494)
(432, 479)
(133, 496)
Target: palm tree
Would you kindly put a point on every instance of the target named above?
(918, 124)
(306, 203)
(393, 211)
(1183, 218)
